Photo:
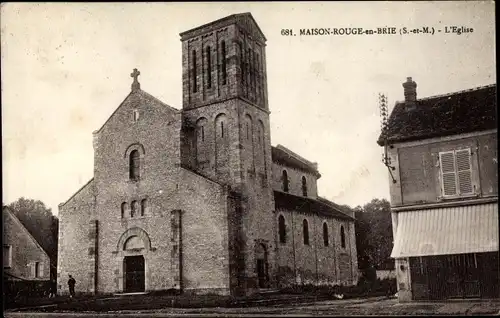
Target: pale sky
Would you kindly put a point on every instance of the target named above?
(66, 68)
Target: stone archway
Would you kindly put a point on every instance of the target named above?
(131, 252)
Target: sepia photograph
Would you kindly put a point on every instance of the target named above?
(170, 159)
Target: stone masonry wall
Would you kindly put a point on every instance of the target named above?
(315, 263)
(294, 180)
(73, 242)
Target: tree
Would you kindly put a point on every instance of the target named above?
(42, 225)
(373, 235)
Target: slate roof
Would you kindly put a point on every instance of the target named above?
(438, 116)
(279, 155)
(290, 202)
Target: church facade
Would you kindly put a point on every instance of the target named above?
(197, 199)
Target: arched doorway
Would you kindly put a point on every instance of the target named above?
(134, 265)
(262, 266)
(134, 269)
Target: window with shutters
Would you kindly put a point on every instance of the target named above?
(456, 173)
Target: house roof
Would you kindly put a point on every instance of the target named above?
(287, 201)
(6, 210)
(285, 156)
(231, 19)
(438, 116)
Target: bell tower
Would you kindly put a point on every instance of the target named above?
(222, 60)
(226, 135)
(225, 106)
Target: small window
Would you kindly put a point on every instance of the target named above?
(136, 115)
(285, 181)
(133, 210)
(304, 186)
(143, 207)
(7, 256)
(342, 237)
(325, 234)
(305, 230)
(282, 229)
(37, 269)
(222, 129)
(134, 165)
(124, 208)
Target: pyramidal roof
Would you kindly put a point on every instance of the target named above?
(245, 20)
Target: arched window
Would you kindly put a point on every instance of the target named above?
(195, 74)
(249, 127)
(285, 181)
(209, 67)
(124, 208)
(342, 237)
(200, 129)
(143, 207)
(282, 229)
(134, 165)
(304, 186)
(223, 57)
(325, 234)
(305, 229)
(133, 210)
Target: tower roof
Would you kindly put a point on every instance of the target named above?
(242, 19)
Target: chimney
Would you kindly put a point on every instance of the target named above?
(410, 90)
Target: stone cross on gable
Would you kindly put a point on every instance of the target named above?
(135, 85)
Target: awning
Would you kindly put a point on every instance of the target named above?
(450, 230)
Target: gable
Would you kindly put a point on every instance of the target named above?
(142, 101)
(13, 225)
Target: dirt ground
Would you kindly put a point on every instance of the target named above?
(352, 307)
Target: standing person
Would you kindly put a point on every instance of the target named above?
(71, 285)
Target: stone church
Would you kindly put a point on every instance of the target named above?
(197, 199)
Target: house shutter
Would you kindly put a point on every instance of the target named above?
(32, 269)
(40, 269)
(464, 171)
(448, 174)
